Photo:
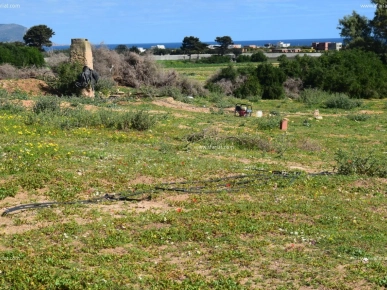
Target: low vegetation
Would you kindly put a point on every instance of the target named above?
(317, 190)
(204, 199)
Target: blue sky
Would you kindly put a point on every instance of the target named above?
(155, 21)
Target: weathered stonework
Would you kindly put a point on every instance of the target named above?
(80, 51)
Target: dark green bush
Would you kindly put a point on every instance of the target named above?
(66, 75)
(342, 101)
(20, 55)
(142, 121)
(268, 123)
(359, 117)
(360, 163)
(250, 88)
(313, 97)
(215, 59)
(258, 57)
(243, 58)
(46, 104)
(271, 79)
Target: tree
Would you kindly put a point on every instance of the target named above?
(271, 79)
(369, 35)
(237, 51)
(192, 45)
(379, 23)
(259, 56)
(121, 48)
(39, 36)
(224, 42)
(134, 49)
(356, 30)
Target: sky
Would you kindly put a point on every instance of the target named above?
(155, 21)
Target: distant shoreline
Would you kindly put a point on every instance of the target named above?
(174, 45)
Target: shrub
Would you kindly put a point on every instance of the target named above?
(358, 163)
(46, 104)
(271, 79)
(142, 121)
(313, 97)
(55, 59)
(105, 85)
(8, 71)
(243, 58)
(66, 75)
(293, 87)
(269, 123)
(273, 92)
(215, 59)
(342, 101)
(259, 57)
(20, 55)
(250, 88)
(359, 117)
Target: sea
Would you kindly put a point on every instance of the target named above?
(174, 45)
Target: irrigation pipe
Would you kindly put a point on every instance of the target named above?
(216, 185)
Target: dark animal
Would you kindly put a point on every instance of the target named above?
(87, 79)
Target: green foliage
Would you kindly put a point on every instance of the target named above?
(67, 74)
(121, 48)
(359, 117)
(282, 58)
(20, 55)
(250, 89)
(259, 56)
(342, 101)
(243, 58)
(39, 36)
(271, 79)
(360, 163)
(313, 97)
(105, 85)
(46, 105)
(356, 73)
(224, 42)
(142, 121)
(228, 73)
(192, 45)
(268, 123)
(215, 59)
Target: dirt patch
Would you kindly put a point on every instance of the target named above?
(171, 103)
(33, 87)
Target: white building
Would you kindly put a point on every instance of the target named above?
(159, 46)
(281, 44)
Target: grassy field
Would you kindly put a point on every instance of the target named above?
(260, 208)
(199, 71)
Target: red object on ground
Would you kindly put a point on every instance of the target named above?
(284, 124)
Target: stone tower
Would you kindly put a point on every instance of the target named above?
(80, 51)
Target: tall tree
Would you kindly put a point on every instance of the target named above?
(224, 42)
(379, 23)
(39, 36)
(355, 28)
(192, 44)
(368, 35)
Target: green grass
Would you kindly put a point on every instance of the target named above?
(201, 71)
(311, 232)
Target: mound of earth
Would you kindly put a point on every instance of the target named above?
(33, 87)
(171, 103)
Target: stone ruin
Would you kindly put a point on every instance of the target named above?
(80, 51)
